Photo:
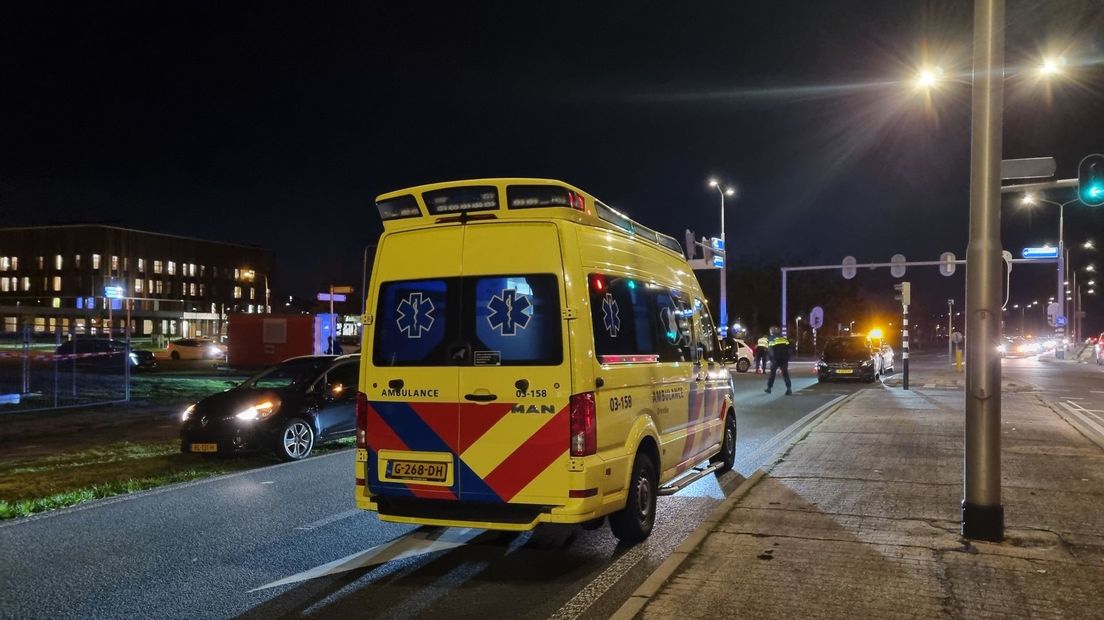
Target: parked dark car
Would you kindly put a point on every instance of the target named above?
(288, 408)
(103, 355)
(849, 357)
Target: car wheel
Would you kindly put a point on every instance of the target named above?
(634, 522)
(727, 455)
(296, 440)
(175, 355)
(743, 365)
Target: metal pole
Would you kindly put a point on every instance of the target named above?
(950, 328)
(1060, 329)
(333, 323)
(126, 355)
(724, 268)
(982, 512)
(364, 282)
(784, 302)
(904, 345)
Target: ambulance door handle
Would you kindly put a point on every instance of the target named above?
(482, 396)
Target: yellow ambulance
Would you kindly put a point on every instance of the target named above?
(532, 355)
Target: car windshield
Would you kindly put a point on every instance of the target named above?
(846, 348)
(291, 374)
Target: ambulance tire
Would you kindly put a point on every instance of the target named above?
(727, 455)
(633, 523)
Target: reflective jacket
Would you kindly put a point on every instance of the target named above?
(762, 343)
(780, 348)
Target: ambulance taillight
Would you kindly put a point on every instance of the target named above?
(584, 435)
(361, 420)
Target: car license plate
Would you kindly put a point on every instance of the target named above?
(844, 371)
(204, 447)
(417, 470)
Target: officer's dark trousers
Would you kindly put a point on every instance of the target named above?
(776, 366)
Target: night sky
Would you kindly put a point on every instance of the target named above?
(273, 126)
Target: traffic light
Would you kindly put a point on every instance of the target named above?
(691, 250)
(707, 251)
(1090, 180)
(904, 293)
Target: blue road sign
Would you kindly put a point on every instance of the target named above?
(326, 297)
(1044, 252)
(114, 292)
(1060, 321)
(717, 244)
(718, 261)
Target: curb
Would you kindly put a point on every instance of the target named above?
(651, 586)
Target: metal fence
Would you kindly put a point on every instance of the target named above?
(59, 370)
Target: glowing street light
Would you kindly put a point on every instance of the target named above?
(1052, 66)
(1028, 200)
(928, 77)
(1090, 268)
(1088, 245)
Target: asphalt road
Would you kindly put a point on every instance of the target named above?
(209, 548)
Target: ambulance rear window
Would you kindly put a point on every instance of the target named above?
(500, 320)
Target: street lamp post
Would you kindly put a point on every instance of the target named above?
(1060, 330)
(728, 191)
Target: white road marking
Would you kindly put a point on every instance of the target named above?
(418, 542)
(330, 519)
(594, 590)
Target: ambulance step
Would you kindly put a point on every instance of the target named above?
(689, 478)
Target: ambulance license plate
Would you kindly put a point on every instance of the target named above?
(844, 371)
(417, 470)
(204, 447)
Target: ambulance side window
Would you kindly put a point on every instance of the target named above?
(706, 332)
(621, 312)
(673, 323)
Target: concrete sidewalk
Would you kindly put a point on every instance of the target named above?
(860, 519)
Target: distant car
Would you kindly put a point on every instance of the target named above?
(196, 349)
(287, 408)
(103, 355)
(736, 351)
(850, 357)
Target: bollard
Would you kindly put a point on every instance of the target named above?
(958, 359)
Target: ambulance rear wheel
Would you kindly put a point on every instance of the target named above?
(634, 522)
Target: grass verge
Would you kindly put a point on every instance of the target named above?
(36, 484)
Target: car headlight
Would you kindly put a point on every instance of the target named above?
(822, 365)
(214, 351)
(259, 411)
(867, 363)
(1001, 348)
(133, 357)
(187, 413)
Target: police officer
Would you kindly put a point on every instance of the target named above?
(761, 349)
(780, 359)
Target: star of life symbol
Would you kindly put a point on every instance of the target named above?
(509, 312)
(415, 315)
(611, 316)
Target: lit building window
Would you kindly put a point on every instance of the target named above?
(5, 285)
(202, 271)
(172, 268)
(252, 293)
(56, 303)
(5, 263)
(58, 262)
(76, 261)
(114, 263)
(26, 283)
(191, 270)
(202, 289)
(160, 286)
(141, 265)
(41, 263)
(157, 266)
(95, 261)
(138, 285)
(57, 283)
(237, 292)
(149, 287)
(15, 263)
(192, 289)
(237, 274)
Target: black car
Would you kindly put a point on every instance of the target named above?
(103, 355)
(287, 408)
(849, 357)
